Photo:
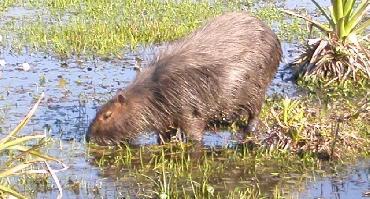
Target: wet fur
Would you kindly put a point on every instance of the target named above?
(223, 68)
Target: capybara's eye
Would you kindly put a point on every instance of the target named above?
(107, 114)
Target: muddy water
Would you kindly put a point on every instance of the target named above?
(74, 89)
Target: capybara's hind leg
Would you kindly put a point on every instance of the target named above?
(252, 125)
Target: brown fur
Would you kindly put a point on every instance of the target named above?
(223, 68)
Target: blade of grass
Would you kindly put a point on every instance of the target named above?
(20, 140)
(338, 9)
(361, 28)
(56, 180)
(331, 10)
(357, 15)
(348, 7)
(330, 20)
(341, 30)
(14, 170)
(11, 192)
(23, 122)
(33, 152)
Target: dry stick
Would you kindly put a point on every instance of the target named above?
(161, 139)
(335, 137)
(56, 180)
(314, 23)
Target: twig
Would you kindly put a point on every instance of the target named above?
(335, 138)
(56, 180)
(314, 23)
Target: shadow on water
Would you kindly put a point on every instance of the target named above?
(75, 88)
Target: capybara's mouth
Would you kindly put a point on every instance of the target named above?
(105, 141)
(93, 136)
(98, 140)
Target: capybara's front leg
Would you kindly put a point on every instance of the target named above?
(193, 127)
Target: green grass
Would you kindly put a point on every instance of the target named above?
(304, 132)
(5, 4)
(173, 171)
(107, 28)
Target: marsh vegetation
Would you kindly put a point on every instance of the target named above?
(311, 130)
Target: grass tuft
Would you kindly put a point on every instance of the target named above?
(20, 156)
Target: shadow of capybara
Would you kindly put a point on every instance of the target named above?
(221, 69)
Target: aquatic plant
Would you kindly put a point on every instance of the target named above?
(21, 156)
(339, 55)
(334, 127)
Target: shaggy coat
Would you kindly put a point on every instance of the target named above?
(221, 69)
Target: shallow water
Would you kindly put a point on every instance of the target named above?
(74, 89)
(354, 182)
(305, 4)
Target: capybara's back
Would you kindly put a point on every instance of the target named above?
(221, 70)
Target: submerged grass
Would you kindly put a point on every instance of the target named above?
(296, 136)
(173, 171)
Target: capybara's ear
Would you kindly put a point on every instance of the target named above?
(121, 98)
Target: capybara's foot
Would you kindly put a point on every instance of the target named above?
(252, 126)
(197, 151)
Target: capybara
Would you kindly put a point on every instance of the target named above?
(221, 70)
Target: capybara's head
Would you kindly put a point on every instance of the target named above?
(111, 124)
